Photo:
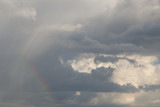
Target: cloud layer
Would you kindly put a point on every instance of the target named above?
(79, 53)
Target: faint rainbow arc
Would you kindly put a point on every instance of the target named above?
(41, 81)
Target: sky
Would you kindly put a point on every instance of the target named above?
(79, 53)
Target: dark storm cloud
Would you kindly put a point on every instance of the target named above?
(127, 25)
(64, 78)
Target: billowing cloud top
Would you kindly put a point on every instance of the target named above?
(85, 53)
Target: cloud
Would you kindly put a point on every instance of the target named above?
(17, 8)
(63, 77)
(115, 98)
(87, 53)
(125, 69)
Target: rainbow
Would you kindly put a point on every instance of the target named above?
(41, 81)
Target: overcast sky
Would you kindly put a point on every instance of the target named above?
(79, 53)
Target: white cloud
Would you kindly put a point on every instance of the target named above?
(84, 64)
(148, 98)
(126, 72)
(156, 101)
(137, 74)
(140, 98)
(65, 27)
(113, 98)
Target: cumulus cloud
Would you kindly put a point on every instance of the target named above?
(126, 69)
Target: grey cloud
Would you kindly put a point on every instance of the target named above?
(119, 30)
(112, 59)
(59, 99)
(102, 73)
(64, 78)
(150, 87)
(125, 26)
(109, 105)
